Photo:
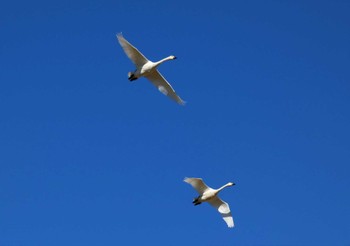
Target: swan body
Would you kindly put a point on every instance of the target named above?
(148, 69)
(210, 195)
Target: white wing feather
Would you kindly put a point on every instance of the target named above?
(223, 209)
(132, 52)
(197, 184)
(163, 86)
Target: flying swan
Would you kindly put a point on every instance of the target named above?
(148, 69)
(207, 194)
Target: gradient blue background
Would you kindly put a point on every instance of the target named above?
(87, 158)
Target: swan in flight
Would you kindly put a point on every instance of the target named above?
(207, 194)
(148, 69)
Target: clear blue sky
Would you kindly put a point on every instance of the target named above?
(87, 158)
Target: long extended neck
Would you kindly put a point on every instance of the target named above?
(163, 60)
(223, 187)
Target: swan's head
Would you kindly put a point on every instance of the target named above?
(230, 184)
(173, 57)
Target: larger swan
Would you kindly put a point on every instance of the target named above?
(148, 69)
(207, 194)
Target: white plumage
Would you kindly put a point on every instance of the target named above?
(207, 194)
(148, 69)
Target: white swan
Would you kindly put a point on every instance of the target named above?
(207, 194)
(148, 69)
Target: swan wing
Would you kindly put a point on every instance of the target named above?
(163, 86)
(223, 209)
(133, 53)
(197, 184)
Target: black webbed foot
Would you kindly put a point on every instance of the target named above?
(196, 201)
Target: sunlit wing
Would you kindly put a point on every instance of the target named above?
(163, 86)
(197, 184)
(133, 53)
(223, 209)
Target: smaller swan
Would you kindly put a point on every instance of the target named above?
(148, 69)
(207, 194)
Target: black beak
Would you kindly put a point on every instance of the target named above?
(175, 57)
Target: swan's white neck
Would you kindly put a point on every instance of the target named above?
(223, 187)
(163, 60)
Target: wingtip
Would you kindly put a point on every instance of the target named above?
(182, 102)
(232, 225)
(187, 180)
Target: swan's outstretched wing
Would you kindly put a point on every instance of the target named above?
(163, 86)
(134, 54)
(197, 184)
(223, 209)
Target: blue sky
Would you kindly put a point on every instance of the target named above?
(88, 158)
